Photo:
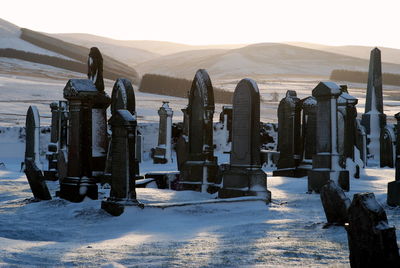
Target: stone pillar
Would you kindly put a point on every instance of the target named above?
(393, 195)
(374, 119)
(163, 152)
(326, 161)
(54, 122)
(52, 148)
(199, 172)
(244, 176)
(289, 137)
(123, 191)
(225, 117)
(79, 181)
(182, 145)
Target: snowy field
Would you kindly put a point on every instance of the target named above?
(287, 232)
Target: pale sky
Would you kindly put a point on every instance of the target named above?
(332, 22)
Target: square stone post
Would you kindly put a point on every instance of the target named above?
(326, 161)
(163, 151)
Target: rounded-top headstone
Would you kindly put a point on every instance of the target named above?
(246, 124)
(202, 87)
(95, 68)
(123, 96)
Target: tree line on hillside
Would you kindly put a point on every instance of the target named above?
(362, 77)
(177, 87)
(44, 59)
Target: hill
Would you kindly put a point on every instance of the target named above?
(264, 59)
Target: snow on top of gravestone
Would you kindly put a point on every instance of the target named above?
(10, 38)
(309, 101)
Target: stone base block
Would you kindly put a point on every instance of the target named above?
(393, 194)
(290, 172)
(75, 189)
(116, 207)
(238, 182)
(318, 178)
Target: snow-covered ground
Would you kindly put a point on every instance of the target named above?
(287, 232)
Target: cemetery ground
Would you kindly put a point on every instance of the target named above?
(287, 232)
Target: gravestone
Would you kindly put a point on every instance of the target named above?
(163, 151)
(32, 155)
(62, 155)
(289, 137)
(388, 146)
(372, 242)
(80, 94)
(374, 119)
(99, 108)
(123, 191)
(182, 144)
(225, 118)
(52, 147)
(325, 165)
(244, 176)
(199, 171)
(335, 203)
(361, 141)
(393, 195)
(123, 98)
(309, 127)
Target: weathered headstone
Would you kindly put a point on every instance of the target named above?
(225, 118)
(62, 155)
(289, 137)
(388, 146)
(372, 242)
(99, 116)
(123, 98)
(393, 195)
(182, 144)
(361, 141)
(123, 191)
(374, 119)
(163, 151)
(200, 170)
(32, 155)
(335, 203)
(244, 176)
(52, 147)
(80, 94)
(326, 160)
(309, 127)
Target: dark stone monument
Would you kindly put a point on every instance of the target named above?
(123, 191)
(361, 141)
(372, 242)
(244, 176)
(163, 151)
(393, 195)
(32, 161)
(99, 116)
(326, 160)
(309, 128)
(289, 137)
(374, 119)
(335, 203)
(62, 154)
(225, 117)
(79, 183)
(200, 169)
(52, 148)
(182, 144)
(388, 146)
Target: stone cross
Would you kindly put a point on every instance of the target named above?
(372, 242)
(32, 156)
(326, 161)
(393, 195)
(244, 176)
(123, 191)
(200, 170)
(289, 136)
(163, 151)
(374, 119)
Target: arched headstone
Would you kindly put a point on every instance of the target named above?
(200, 170)
(245, 176)
(388, 146)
